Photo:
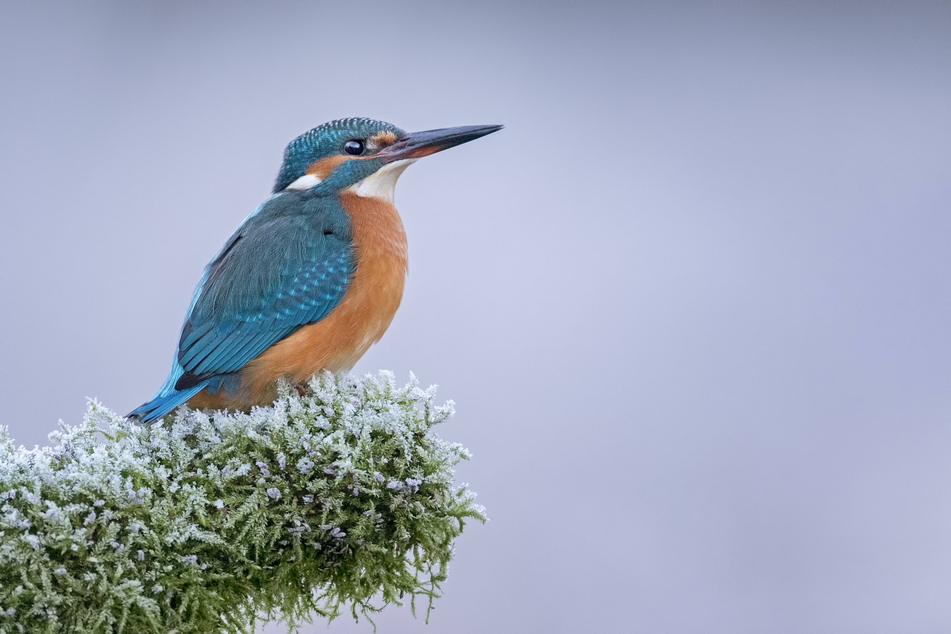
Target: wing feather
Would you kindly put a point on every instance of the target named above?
(276, 275)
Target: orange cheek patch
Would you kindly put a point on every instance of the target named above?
(322, 168)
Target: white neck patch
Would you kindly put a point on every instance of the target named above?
(305, 182)
(381, 184)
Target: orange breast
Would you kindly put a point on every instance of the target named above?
(340, 339)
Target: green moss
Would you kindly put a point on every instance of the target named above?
(340, 498)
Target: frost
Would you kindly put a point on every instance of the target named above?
(197, 523)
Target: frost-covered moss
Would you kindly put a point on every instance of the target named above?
(341, 497)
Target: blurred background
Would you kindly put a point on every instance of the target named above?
(693, 303)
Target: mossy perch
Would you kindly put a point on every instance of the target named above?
(337, 498)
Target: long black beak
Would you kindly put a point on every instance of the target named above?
(420, 144)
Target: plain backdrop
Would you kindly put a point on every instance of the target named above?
(693, 302)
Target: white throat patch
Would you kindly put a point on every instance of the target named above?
(381, 184)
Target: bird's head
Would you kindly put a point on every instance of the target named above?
(363, 154)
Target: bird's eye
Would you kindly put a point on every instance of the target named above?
(354, 147)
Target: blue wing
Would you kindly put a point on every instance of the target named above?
(288, 265)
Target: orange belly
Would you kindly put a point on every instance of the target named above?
(336, 342)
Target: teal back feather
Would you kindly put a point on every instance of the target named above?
(287, 266)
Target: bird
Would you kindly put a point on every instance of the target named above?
(311, 279)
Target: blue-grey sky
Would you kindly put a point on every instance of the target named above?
(693, 303)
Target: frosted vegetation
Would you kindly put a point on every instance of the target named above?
(340, 499)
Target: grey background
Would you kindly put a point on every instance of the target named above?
(693, 302)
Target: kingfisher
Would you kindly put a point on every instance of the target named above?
(311, 279)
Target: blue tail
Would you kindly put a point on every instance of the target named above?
(162, 404)
(167, 399)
